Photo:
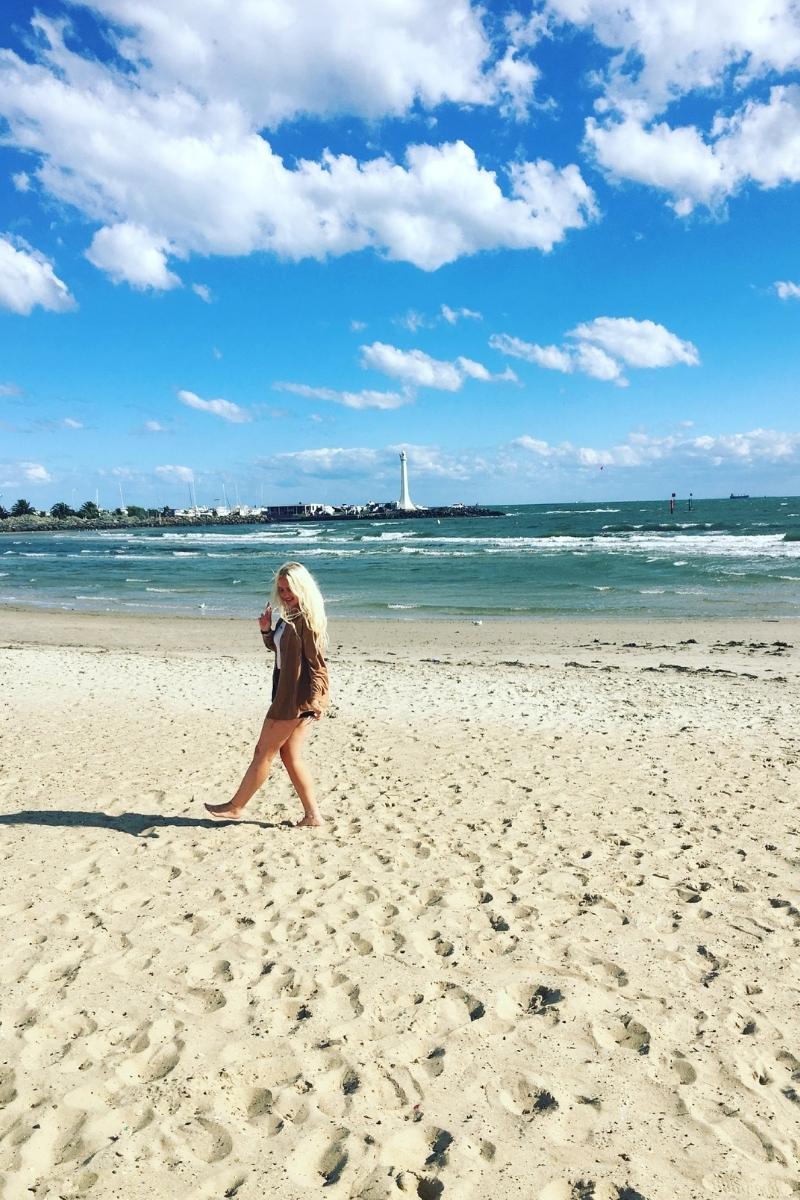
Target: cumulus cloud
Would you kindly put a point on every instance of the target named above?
(602, 347)
(787, 290)
(203, 291)
(173, 171)
(13, 474)
(33, 472)
(330, 57)
(416, 368)
(175, 473)
(220, 408)
(663, 50)
(637, 343)
(757, 447)
(552, 358)
(359, 400)
(129, 253)
(759, 144)
(27, 279)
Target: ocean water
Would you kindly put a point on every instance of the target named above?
(728, 558)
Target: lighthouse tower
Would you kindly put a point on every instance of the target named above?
(405, 503)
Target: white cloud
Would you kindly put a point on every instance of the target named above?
(10, 389)
(664, 49)
(18, 473)
(175, 473)
(412, 366)
(602, 346)
(220, 408)
(153, 427)
(131, 254)
(594, 362)
(21, 181)
(413, 320)
(204, 292)
(453, 315)
(418, 369)
(759, 144)
(324, 56)
(35, 473)
(71, 423)
(637, 343)
(357, 326)
(517, 78)
(27, 278)
(475, 370)
(171, 171)
(552, 358)
(431, 462)
(359, 400)
(330, 462)
(754, 448)
(678, 161)
(587, 359)
(380, 465)
(787, 290)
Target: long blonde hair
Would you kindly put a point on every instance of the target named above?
(309, 599)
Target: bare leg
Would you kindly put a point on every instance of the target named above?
(292, 758)
(272, 737)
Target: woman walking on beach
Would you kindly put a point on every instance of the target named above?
(299, 691)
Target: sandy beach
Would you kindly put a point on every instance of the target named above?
(546, 946)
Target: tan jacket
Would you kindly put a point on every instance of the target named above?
(303, 684)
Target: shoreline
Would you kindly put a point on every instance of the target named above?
(414, 637)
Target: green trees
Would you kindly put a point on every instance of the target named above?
(22, 508)
(61, 510)
(89, 511)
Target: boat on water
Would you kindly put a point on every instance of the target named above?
(740, 496)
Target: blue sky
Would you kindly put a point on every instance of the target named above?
(549, 249)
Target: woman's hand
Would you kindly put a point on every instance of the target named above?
(265, 620)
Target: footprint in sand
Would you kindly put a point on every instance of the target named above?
(321, 1161)
(207, 1139)
(524, 1097)
(623, 1031)
(8, 1086)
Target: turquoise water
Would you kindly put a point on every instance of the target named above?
(723, 558)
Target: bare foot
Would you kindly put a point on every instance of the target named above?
(309, 822)
(222, 812)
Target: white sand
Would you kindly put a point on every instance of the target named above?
(546, 948)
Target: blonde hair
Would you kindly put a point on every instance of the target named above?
(309, 599)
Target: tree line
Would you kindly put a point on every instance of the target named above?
(88, 511)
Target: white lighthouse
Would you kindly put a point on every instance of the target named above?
(405, 503)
